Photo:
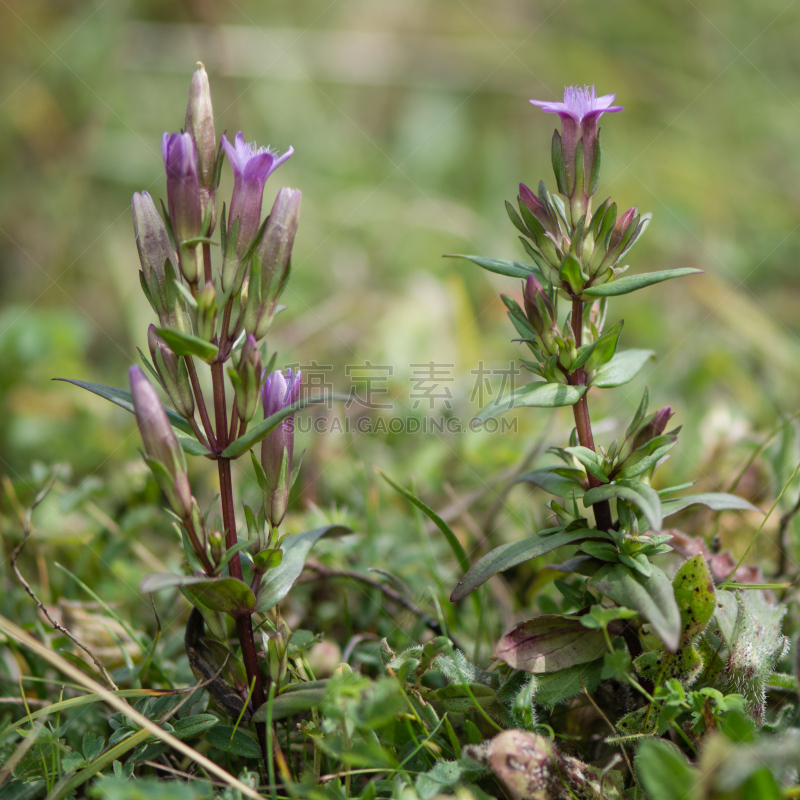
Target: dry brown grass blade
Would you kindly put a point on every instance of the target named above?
(63, 666)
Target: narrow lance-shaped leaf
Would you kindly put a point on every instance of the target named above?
(452, 540)
(123, 399)
(512, 269)
(641, 495)
(185, 344)
(261, 430)
(716, 501)
(630, 283)
(653, 598)
(538, 394)
(295, 550)
(513, 553)
(228, 595)
(622, 368)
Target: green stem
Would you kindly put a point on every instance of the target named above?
(583, 423)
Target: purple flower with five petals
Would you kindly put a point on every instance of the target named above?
(579, 114)
(580, 104)
(251, 168)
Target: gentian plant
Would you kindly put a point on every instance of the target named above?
(673, 648)
(211, 315)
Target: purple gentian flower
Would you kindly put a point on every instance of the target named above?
(277, 448)
(580, 104)
(183, 196)
(251, 168)
(579, 113)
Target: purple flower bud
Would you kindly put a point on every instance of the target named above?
(159, 264)
(277, 448)
(173, 373)
(538, 307)
(579, 114)
(160, 443)
(183, 196)
(200, 125)
(621, 225)
(251, 168)
(653, 427)
(535, 205)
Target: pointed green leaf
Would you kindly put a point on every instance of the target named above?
(193, 447)
(266, 426)
(538, 394)
(653, 598)
(184, 344)
(639, 494)
(452, 540)
(233, 740)
(512, 269)
(513, 553)
(122, 398)
(295, 550)
(305, 697)
(622, 368)
(229, 595)
(551, 481)
(630, 283)
(716, 501)
(593, 462)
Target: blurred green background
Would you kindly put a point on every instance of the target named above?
(411, 125)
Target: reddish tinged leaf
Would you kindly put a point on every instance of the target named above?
(549, 643)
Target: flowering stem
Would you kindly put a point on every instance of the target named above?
(583, 423)
(244, 624)
(200, 400)
(199, 549)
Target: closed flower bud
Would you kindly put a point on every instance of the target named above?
(652, 426)
(246, 379)
(183, 197)
(207, 312)
(216, 542)
(620, 226)
(173, 373)
(277, 449)
(538, 307)
(200, 125)
(534, 205)
(159, 264)
(160, 444)
(270, 269)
